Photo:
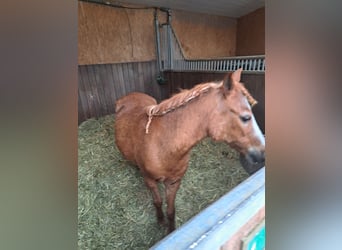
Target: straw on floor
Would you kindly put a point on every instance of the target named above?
(115, 209)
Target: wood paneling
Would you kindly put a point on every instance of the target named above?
(205, 36)
(112, 35)
(250, 36)
(102, 84)
(116, 35)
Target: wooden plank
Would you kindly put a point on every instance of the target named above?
(110, 88)
(101, 85)
(155, 85)
(87, 92)
(131, 77)
(83, 108)
(94, 95)
(126, 78)
(99, 78)
(107, 88)
(147, 79)
(140, 76)
(82, 105)
(119, 83)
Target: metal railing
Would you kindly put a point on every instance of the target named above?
(172, 58)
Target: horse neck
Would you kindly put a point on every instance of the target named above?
(189, 124)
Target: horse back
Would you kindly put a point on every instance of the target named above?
(130, 121)
(134, 101)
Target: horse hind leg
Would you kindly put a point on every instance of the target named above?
(171, 188)
(157, 200)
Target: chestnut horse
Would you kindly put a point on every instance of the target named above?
(158, 137)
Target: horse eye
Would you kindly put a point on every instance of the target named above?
(245, 118)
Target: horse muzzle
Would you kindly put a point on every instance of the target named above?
(255, 156)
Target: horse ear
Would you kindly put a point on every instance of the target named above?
(229, 79)
(236, 75)
(227, 83)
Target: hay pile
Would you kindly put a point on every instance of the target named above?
(115, 209)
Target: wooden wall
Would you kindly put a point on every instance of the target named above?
(204, 36)
(99, 86)
(117, 53)
(112, 35)
(250, 36)
(255, 83)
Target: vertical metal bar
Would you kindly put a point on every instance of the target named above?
(156, 26)
(169, 38)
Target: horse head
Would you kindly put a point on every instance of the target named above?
(233, 121)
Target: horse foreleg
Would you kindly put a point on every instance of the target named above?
(157, 201)
(171, 188)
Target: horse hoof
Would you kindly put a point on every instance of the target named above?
(161, 221)
(170, 230)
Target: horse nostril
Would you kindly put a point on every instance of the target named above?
(255, 156)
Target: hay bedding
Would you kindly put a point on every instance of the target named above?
(115, 209)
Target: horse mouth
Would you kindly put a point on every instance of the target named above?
(255, 156)
(250, 164)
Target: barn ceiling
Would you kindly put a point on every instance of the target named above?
(229, 8)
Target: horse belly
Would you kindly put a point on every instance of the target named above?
(160, 164)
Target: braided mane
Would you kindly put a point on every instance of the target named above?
(181, 99)
(186, 96)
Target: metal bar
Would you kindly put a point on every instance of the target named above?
(156, 26)
(169, 38)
